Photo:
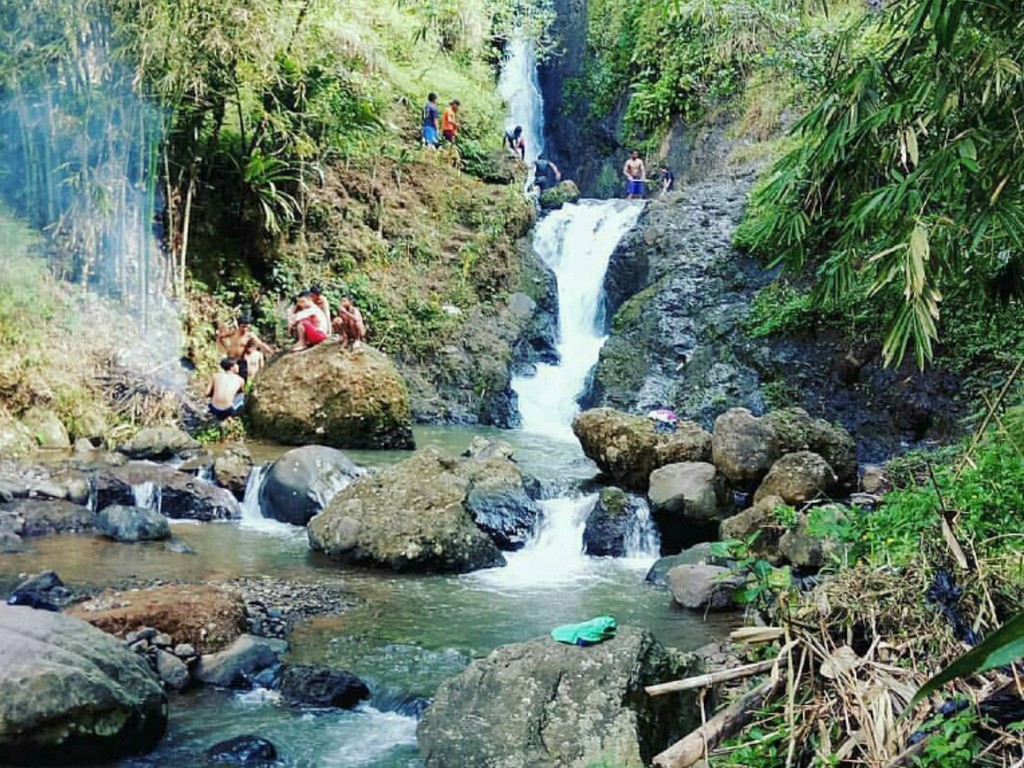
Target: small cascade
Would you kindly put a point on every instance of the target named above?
(147, 495)
(642, 541)
(519, 86)
(205, 473)
(576, 242)
(252, 512)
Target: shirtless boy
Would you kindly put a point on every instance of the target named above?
(636, 175)
(307, 323)
(225, 392)
(234, 341)
(254, 359)
(349, 324)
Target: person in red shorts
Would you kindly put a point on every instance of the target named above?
(307, 323)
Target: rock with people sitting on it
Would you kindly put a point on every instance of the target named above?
(544, 704)
(155, 443)
(628, 448)
(332, 395)
(302, 482)
(797, 478)
(412, 516)
(46, 427)
(71, 694)
(131, 524)
(560, 194)
(744, 447)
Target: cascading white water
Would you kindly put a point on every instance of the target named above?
(147, 495)
(252, 514)
(519, 87)
(576, 242)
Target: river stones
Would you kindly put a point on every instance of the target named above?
(413, 516)
(334, 396)
(302, 482)
(40, 517)
(132, 524)
(239, 663)
(317, 685)
(155, 443)
(245, 750)
(628, 448)
(797, 478)
(204, 616)
(744, 447)
(797, 431)
(613, 523)
(702, 586)
(46, 428)
(542, 704)
(181, 496)
(71, 694)
(231, 470)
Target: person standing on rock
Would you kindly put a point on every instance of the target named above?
(307, 323)
(636, 176)
(254, 360)
(234, 342)
(225, 392)
(431, 115)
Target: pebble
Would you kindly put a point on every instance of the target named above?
(163, 640)
(184, 651)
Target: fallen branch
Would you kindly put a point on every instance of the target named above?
(725, 724)
(709, 679)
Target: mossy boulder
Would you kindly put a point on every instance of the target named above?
(333, 396)
(797, 478)
(613, 523)
(46, 428)
(560, 194)
(797, 431)
(15, 437)
(414, 516)
(629, 448)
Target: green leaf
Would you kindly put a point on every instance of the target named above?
(1002, 647)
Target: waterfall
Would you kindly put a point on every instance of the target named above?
(519, 87)
(576, 242)
(147, 495)
(252, 513)
(642, 540)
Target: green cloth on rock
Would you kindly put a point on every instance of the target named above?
(587, 632)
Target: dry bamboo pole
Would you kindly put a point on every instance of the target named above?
(697, 744)
(711, 678)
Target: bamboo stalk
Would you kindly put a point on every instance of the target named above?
(697, 744)
(711, 678)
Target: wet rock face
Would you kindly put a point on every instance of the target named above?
(497, 497)
(317, 685)
(239, 663)
(629, 448)
(544, 704)
(303, 481)
(182, 496)
(612, 523)
(71, 694)
(246, 750)
(562, 193)
(332, 396)
(410, 517)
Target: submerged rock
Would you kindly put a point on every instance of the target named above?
(317, 685)
(334, 396)
(628, 448)
(71, 694)
(413, 516)
(543, 704)
(247, 750)
(302, 482)
(132, 524)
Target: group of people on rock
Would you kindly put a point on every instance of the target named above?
(439, 124)
(309, 323)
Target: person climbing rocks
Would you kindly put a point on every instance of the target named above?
(349, 324)
(668, 179)
(636, 176)
(233, 341)
(545, 174)
(316, 293)
(515, 141)
(431, 115)
(450, 121)
(254, 360)
(307, 323)
(225, 392)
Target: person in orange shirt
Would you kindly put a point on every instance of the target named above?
(450, 121)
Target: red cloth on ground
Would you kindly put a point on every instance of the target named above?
(313, 334)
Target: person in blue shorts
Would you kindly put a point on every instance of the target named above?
(430, 117)
(636, 176)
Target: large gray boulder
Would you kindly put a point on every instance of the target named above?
(160, 443)
(762, 520)
(413, 516)
(302, 482)
(797, 478)
(797, 431)
(698, 554)
(71, 694)
(46, 428)
(688, 500)
(497, 497)
(628, 448)
(181, 496)
(131, 524)
(809, 544)
(542, 704)
(43, 517)
(701, 587)
(236, 665)
(744, 447)
(317, 685)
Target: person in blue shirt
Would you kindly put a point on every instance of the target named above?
(430, 117)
